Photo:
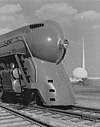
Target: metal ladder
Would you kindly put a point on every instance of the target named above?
(20, 60)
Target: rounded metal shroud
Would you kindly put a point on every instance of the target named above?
(45, 41)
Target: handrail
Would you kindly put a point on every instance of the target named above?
(33, 61)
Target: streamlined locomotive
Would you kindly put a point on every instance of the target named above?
(31, 65)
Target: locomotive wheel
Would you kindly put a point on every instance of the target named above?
(9, 97)
(27, 96)
(38, 98)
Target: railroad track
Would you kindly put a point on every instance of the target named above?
(45, 116)
(12, 117)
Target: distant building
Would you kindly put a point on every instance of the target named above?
(80, 73)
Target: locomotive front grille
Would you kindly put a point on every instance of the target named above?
(51, 90)
(50, 81)
(52, 99)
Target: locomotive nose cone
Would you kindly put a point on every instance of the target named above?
(62, 43)
(47, 42)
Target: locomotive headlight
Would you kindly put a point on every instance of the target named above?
(62, 50)
(65, 43)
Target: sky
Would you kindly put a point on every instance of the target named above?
(78, 19)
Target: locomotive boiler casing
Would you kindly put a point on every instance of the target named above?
(45, 44)
(43, 40)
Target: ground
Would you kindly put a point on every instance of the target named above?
(88, 96)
